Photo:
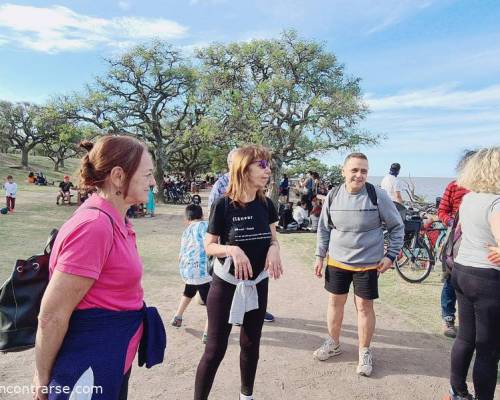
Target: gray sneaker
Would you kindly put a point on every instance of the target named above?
(365, 365)
(328, 349)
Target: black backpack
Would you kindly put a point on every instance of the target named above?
(21, 296)
(372, 194)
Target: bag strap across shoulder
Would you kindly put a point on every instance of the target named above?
(110, 220)
(100, 209)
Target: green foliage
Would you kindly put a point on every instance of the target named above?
(289, 94)
(303, 166)
(331, 174)
(23, 126)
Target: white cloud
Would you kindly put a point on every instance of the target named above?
(390, 13)
(58, 28)
(440, 97)
(124, 5)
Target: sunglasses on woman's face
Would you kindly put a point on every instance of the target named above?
(263, 163)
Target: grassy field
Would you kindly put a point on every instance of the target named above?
(24, 233)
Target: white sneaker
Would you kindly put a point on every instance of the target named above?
(365, 366)
(328, 349)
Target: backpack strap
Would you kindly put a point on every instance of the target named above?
(110, 220)
(100, 209)
(333, 193)
(50, 241)
(372, 195)
(447, 251)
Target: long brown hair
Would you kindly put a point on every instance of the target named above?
(242, 158)
(105, 154)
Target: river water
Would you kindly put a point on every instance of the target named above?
(429, 188)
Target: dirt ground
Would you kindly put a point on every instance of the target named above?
(409, 362)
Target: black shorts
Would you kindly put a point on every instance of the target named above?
(338, 281)
(190, 291)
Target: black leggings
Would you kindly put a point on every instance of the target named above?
(478, 295)
(218, 307)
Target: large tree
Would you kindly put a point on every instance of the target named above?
(4, 139)
(147, 92)
(63, 136)
(289, 94)
(23, 126)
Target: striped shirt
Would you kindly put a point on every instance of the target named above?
(450, 203)
(219, 189)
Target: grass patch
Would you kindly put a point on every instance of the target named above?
(10, 164)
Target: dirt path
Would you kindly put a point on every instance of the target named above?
(409, 363)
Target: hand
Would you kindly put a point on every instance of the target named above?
(494, 254)
(273, 262)
(318, 267)
(40, 387)
(242, 268)
(384, 265)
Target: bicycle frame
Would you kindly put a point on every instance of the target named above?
(443, 231)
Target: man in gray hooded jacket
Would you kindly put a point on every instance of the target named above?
(350, 231)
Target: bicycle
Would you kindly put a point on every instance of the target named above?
(176, 195)
(416, 260)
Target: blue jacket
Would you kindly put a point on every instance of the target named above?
(92, 356)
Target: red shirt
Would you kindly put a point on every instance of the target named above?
(450, 203)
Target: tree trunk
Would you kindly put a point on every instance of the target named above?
(24, 156)
(188, 174)
(159, 171)
(57, 163)
(61, 162)
(275, 181)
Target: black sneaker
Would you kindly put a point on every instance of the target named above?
(451, 395)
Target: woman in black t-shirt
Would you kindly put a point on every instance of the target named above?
(242, 236)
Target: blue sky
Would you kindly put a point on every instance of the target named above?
(430, 70)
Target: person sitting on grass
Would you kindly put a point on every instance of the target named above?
(193, 263)
(65, 190)
(31, 178)
(285, 215)
(315, 214)
(40, 179)
(300, 215)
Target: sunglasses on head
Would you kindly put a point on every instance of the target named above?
(263, 163)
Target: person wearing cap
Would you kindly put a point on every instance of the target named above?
(392, 184)
(64, 190)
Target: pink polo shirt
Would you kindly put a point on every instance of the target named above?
(89, 245)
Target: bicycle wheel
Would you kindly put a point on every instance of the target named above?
(416, 263)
